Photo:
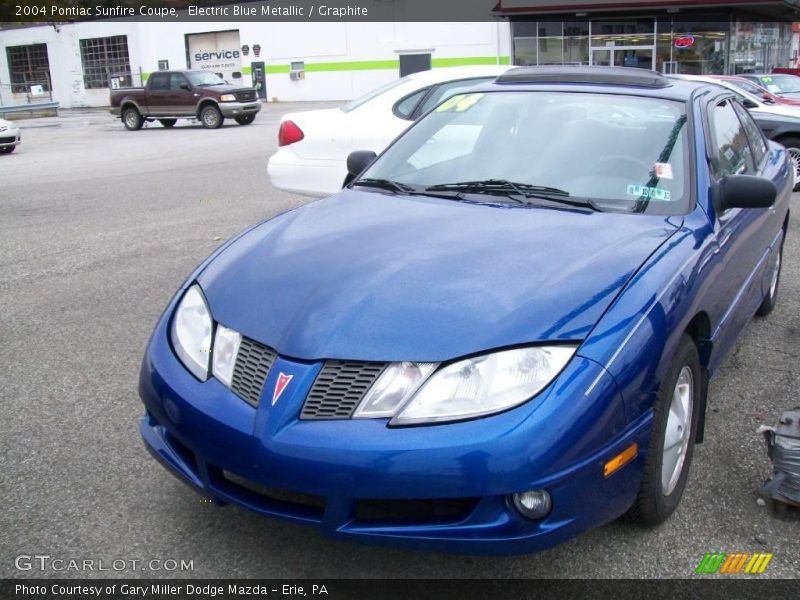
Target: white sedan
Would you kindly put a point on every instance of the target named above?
(9, 136)
(314, 144)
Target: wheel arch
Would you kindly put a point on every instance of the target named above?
(205, 102)
(699, 329)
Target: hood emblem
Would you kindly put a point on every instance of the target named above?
(280, 386)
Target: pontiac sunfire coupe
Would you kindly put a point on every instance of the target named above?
(498, 335)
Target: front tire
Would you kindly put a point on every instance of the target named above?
(132, 119)
(669, 455)
(168, 122)
(211, 117)
(245, 119)
(792, 144)
(7, 149)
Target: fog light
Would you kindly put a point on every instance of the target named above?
(535, 504)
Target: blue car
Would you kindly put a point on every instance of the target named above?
(498, 335)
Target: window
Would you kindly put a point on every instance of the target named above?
(103, 58)
(28, 65)
(754, 135)
(353, 104)
(733, 154)
(175, 81)
(450, 88)
(405, 107)
(158, 82)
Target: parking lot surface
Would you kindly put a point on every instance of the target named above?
(99, 226)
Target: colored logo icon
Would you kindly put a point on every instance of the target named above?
(734, 563)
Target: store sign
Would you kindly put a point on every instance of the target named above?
(216, 51)
(686, 41)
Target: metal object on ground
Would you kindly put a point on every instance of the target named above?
(783, 448)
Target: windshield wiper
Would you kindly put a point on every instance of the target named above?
(385, 184)
(506, 187)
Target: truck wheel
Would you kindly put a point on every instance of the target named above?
(245, 119)
(168, 122)
(792, 144)
(210, 117)
(132, 119)
(675, 417)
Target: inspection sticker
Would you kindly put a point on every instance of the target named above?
(663, 170)
(654, 193)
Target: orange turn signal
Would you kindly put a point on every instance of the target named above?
(620, 460)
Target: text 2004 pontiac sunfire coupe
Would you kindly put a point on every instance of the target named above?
(498, 335)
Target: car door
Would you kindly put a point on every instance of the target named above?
(742, 234)
(158, 94)
(181, 100)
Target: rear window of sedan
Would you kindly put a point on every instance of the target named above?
(625, 153)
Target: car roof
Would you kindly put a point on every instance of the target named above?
(441, 74)
(615, 80)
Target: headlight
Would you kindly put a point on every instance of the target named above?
(484, 384)
(226, 347)
(393, 387)
(227, 98)
(191, 332)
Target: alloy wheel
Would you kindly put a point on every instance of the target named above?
(678, 431)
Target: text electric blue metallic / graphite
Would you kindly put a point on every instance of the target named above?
(498, 335)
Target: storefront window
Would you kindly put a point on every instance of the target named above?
(525, 51)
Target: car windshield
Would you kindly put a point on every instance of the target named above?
(204, 79)
(353, 104)
(610, 152)
(781, 84)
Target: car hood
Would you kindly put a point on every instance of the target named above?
(371, 276)
(227, 88)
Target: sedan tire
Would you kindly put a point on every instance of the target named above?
(168, 122)
(774, 283)
(669, 456)
(7, 149)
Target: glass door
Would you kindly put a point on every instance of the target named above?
(601, 57)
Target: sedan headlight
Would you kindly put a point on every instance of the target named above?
(191, 332)
(227, 98)
(484, 384)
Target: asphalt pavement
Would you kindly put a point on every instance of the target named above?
(99, 226)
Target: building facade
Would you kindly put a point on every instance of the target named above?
(288, 61)
(671, 36)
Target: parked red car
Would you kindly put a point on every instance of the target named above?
(756, 90)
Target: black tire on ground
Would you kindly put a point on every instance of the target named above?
(792, 144)
(7, 149)
(772, 293)
(132, 120)
(653, 503)
(168, 122)
(245, 119)
(211, 117)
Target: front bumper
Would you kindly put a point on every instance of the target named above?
(238, 109)
(10, 138)
(326, 472)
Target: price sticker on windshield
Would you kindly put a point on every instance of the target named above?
(459, 103)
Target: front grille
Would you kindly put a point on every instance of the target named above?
(339, 388)
(439, 510)
(271, 494)
(250, 371)
(248, 96)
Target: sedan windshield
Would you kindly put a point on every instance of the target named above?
(204, 79)
(781, 84)
(597, 151)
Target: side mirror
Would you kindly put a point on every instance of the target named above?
(747, 191)
(747, 103)
(185, 86)
(358, 161)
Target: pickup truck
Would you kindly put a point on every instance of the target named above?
(172, 95)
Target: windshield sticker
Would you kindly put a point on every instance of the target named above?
(774, 88)
(663, 170)
(654, 193)
(459, 103)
